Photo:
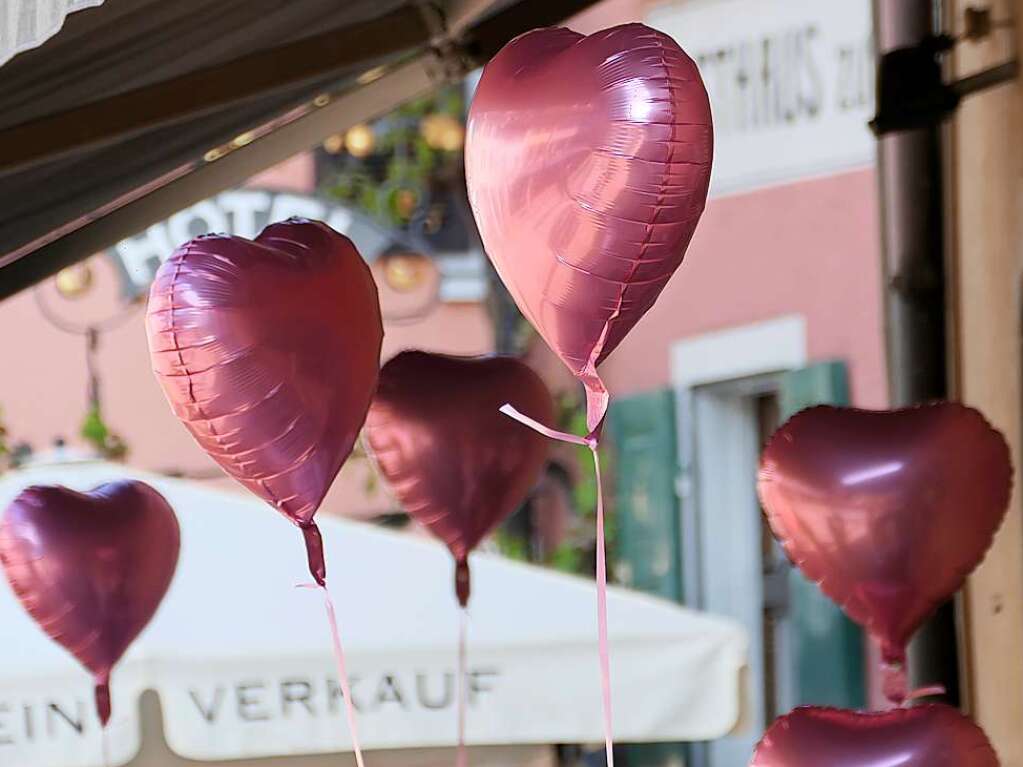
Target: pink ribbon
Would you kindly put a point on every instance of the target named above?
(926, 692)
(462, 757)
(605, 657)
(562, 436)
(342, 671)
(104, 745)
(589, 441)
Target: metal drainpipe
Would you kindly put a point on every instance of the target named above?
(912, 231)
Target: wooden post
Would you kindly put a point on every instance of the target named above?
(986, 203)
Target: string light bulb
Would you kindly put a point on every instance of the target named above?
(359, 140)
(442, 131)
(74, 281)
(405, 272)
(334, 144)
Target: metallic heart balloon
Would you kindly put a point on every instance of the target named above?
(888, 511)
(268, 351)
(922, 736)
(91, 568)
(456, 464)
(587, 163)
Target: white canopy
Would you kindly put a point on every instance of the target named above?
(241, 659)
(26, 24)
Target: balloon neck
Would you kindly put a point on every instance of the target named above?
(314, 552)
(596, 406)
(462, 581)
(103, 698)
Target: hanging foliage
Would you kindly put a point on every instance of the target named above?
(95, 431)
(390, 169)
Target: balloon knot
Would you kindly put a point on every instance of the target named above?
(462, 582)
(102, 696)
(314, 552)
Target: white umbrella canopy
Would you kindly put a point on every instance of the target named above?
(241, 659)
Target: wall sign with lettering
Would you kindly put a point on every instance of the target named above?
(56, 725)
(254, 706)
(791, 85)
(245, 212)
(229, 714)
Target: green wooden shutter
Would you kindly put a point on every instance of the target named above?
(642, 429)
(829, 647)
(646, 505)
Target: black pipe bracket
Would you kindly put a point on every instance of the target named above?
(911, 92)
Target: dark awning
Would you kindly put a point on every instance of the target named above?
(138, 108)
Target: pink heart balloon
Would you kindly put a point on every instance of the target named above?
(268, 351)
(91, 568)
(587, 162)
(456, 463)
(888, 511)
(922, 736)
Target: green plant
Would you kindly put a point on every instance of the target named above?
(393, 182)
(567, 558)
(571, 417)
(511, 546)
(573, 555)
(95, 431)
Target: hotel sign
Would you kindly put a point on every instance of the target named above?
(791, 84)
(242, 212)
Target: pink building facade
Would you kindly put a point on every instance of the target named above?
(777, 305)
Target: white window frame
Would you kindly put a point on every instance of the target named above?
(711, 372)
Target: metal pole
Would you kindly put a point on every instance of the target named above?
(912, 231)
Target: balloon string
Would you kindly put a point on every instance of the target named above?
(535, 425)
(342, 672)
(605, 660)
(462, 758)
(926, 692)
(104, 746)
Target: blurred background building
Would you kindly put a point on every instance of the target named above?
(777, 306)
(780, 304)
